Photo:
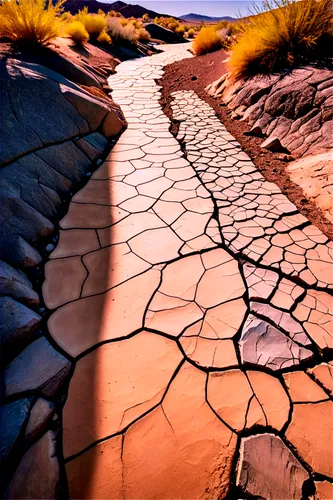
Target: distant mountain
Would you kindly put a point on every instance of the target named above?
(206, 19)
(125, 9)
(129, 10)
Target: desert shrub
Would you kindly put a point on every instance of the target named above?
(123, 21)
(226, 39)
(94, 24)
(138, 24)
(167, 22)
(77, 32)
(30, 22)
(286, 34)
(237, 27)
(104, 37)
(191, 33)
(121, 34)
(172, 25)
(143, 34)
(227, 28)
(207, 40)
(180, 30)
(81, 14)
(221, 25)
(145, 18)
(114, 13)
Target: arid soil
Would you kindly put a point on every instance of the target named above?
(195, 74)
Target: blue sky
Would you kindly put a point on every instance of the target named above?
(209, 8)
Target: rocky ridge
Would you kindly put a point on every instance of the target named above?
(53, 134)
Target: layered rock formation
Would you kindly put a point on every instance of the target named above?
(294, 110)
(52, 134)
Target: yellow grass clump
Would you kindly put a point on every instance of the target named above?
(286, 34)
(191, 33)
(180, 29)
(169, 23)
(94, 24)
(77, 32)
(207, 40)
(30, 22)
(104, 37)
(143, 34)
(122, 35)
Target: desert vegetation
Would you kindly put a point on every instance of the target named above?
(77, 32)
(37, 22)
(95, 24)
(214, 37)
(30, 22)
(110, 28)
(170, 23)
(280, 35)
(207, 40)
(286, 34)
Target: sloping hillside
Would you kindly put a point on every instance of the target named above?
(126, 10)
(207, 19)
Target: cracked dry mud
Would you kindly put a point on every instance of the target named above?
(196, 303)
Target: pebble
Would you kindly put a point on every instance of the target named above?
(50, 247)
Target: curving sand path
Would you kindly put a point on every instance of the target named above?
(197, 304)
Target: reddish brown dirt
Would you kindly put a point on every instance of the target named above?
(195, 74)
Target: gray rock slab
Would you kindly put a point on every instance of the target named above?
(39, 105)
(31, 191)
(38, 475)
(15, 284)
(67, 159)
(20, 219)
(93, 145)
(92, 109)
(19, 252)
(263, 344)
(268, 470)
(38, 368)
(13, 417)
(47, 175)
(17, 327)
(16, 138)
(61, 69)
(40, 416)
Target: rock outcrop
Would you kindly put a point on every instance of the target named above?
(51, 131)
(52, 134)
(294, 108)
